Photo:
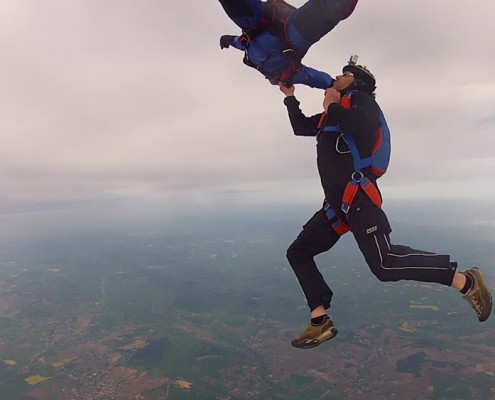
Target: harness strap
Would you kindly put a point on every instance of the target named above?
(294, 58)
(359, 163)
(274, 18)
(266, 20)
(339, 226)
(351, 190)
(322, 121)
(372, 191)
(358, 179)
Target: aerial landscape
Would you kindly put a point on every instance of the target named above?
(171, 309)
(158, 159)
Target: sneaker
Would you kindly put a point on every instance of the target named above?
(314, 335)
(479, 296)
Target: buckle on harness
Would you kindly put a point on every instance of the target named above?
(288, 52)
(338, 226)
(357, 176)
(345, 208)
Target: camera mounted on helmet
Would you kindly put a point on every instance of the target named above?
(363, 78)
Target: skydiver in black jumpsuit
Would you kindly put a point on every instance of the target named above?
(367, 221)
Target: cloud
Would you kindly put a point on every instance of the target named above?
(100, 99)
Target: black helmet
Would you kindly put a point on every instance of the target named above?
(364, 79)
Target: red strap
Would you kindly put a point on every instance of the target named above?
(286, 77)
(349, 194)
(322, 120)
(340, 228)
(346, 102)
(372, 191)
(351, 189)
(352, 186)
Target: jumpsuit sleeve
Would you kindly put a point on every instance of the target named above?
(238, 45)
(301, 125)
(313, 78)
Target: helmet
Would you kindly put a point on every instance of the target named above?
(364, 79)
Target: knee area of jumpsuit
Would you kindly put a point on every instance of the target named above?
(298, 257)
(294, 254)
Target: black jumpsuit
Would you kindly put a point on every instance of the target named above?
(368, 223)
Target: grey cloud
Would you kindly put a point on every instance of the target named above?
(122, 97)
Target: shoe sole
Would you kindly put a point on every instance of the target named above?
(489, 312)
(485, 288)
(325, 336)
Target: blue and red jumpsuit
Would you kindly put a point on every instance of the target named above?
(304, 27)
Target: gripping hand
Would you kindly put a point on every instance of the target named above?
(226, 41)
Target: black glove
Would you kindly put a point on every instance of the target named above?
(226, 41)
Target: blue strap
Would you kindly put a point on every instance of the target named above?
(359, 163)
(331, 128)
(331, 216)
(339, 226)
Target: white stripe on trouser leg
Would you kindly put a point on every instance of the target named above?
(386, 241)
(380, 250)
(389, 254)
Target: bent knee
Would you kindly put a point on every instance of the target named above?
(296, 254)
(292, 254)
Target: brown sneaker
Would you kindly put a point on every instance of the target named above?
(479, 296)
(316, 334)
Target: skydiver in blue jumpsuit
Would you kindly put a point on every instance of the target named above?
(276, 36)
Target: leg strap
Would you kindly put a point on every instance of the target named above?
(349, 194)
(339, 226)
(351, 189)
(372, 191)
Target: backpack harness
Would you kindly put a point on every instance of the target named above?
(274, 18)
(377, 162)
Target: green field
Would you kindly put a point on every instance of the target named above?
(208, 313)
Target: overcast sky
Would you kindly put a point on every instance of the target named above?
(120, 98)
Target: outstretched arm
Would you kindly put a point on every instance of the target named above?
(230, 40)
(301, 125)
(313, 78)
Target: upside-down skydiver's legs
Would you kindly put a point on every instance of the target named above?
(315, 19)
(245, 13)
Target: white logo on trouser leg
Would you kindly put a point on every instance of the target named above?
(371, 230)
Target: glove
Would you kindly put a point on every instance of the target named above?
(226, 41)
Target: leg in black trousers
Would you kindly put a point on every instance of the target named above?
(389, 262)
(316, 237)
